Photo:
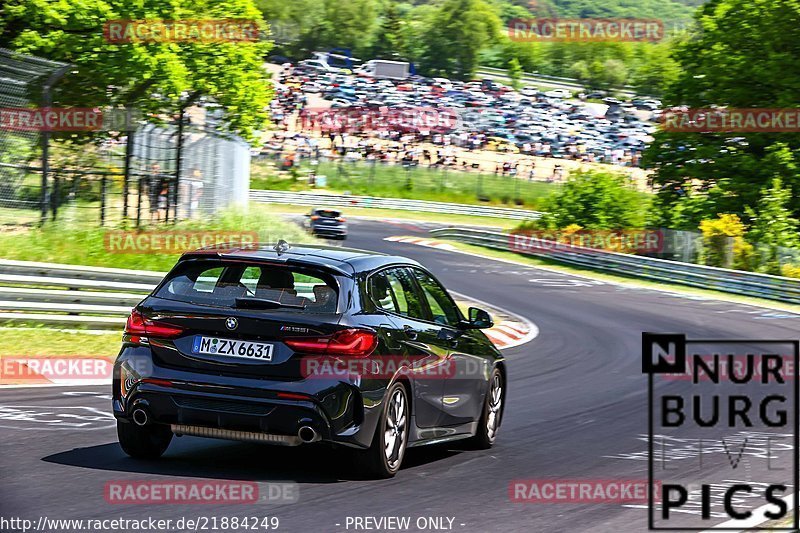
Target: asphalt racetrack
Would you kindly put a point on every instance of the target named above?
(576, 409)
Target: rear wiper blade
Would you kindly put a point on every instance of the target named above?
(264, 303)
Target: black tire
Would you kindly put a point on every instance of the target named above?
(143, 442)
(374, 461)
(492, 414)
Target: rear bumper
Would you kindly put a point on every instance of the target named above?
(253, 409)
(329, 230)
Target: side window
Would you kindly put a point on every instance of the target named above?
(250, 278)
(380, 290)
(442, 307)
(393, 290)
(207, 280)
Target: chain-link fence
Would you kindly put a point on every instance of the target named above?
(214, 173)
(24, 81)
(181, 168)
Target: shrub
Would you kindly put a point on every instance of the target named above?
(595, 200)
(790, 271)
(723, 243)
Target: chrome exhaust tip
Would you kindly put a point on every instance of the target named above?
(308, 434)
(140, 417)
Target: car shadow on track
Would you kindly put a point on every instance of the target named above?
(202, 458)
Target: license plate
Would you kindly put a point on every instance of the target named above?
(232, 348)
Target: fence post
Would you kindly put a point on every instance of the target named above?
(138, 201)
(129, 147)
(56, 196)
(173, 193)
(47, 101)
(102, 199)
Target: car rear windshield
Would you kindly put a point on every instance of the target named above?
(328, 214)
(251, 285)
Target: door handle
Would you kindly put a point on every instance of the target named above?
(410, 332)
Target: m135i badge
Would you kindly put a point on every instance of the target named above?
(294, 329)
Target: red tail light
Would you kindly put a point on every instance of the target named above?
(341, 219)
(160, 382)
(352, 342)
(292, 396)
(138, 326)
(314, 217)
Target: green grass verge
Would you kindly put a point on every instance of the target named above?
(418, 183)
(614, 278)
(83, 242)
(18, 341)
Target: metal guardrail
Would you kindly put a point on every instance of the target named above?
(75, 295)
(725, 280)
(545, 80)
(71, 295)
(331, 200)
(529, 76)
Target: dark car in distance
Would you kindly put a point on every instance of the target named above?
(294, 345)
(326, 223)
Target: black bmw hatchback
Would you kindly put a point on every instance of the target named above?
(294, 345)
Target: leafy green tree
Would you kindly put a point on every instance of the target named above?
(153, 77)
(657, 69)
(773, 226)
(740, 54)
(772, 221)
(390, 39)
(580, 71)
(613, 74)
(299, 25)
(456, 32)
(596, 201)
(350, 24)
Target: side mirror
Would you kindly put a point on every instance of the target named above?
(479, 319)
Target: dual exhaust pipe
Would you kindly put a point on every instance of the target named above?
(306, 434)
(140, 417)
